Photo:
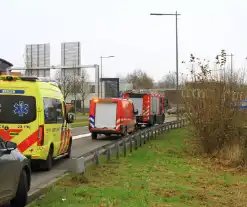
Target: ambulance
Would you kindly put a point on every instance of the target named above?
(33, 115)
(111, 116)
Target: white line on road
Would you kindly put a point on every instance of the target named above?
(81, 136)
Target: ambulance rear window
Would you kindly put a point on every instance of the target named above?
(15, 109)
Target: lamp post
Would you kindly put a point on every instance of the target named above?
(101, 72)
(176, 24)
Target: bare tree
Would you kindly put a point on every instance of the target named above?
(80, 87)
(140, 80)
(65, 83)
(168, 81)
(83, 88)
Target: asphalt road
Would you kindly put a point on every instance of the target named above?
(80, 130)
(80, 146)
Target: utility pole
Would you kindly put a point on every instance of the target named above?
(223, 56)
(231, 64)
(101, 76)
(176, 31)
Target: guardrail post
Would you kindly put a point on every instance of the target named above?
(108, 154)
(140, 139)
(124, 148)
(136, 143)
(148, 137)
(77, 165)
(163, 129)
(96, 157)
(117, 150)
(155, 132)
(131, 143)
(145, 137)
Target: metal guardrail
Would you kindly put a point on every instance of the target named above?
(132, 141)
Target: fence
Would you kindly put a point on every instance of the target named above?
(131, 142)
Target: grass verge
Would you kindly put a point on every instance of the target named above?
(79, 123)
(162, 173)
(81, 114)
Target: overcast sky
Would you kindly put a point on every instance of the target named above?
(125, 29)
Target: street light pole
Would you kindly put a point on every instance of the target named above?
(176, 25)
(101, 72)
(177, 58)
(101, 65)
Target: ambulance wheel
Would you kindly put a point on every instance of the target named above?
(69, 149)
(20, 199)
(94, 136)
(49, 160)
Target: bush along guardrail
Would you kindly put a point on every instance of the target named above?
(128, 143)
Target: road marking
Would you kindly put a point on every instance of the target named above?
(81, 136)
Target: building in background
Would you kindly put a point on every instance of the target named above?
(4, 66)
(37, 60)
(71, 57)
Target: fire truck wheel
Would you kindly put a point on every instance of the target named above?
(49, 160)
(94, 136)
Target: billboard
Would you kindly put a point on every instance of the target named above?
(71, 57)
(111, 87)
(38, 56)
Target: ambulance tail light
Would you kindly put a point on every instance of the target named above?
(41, 135)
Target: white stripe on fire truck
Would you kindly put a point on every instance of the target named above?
(118, 123)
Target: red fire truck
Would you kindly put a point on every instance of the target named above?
(150, 106)
(111, 116)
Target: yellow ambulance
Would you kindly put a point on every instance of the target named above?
(33, 115)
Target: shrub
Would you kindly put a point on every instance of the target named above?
(212, 102)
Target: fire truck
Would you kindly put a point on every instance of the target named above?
(150, 106)
(111, 116)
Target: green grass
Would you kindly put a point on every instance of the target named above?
(80, 122)
(162, 173)
(81, 114)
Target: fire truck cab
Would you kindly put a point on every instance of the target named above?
(111, 116)
(150, 106)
